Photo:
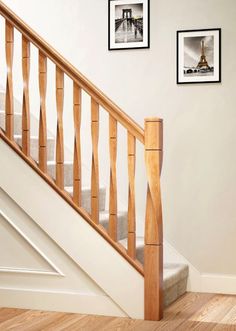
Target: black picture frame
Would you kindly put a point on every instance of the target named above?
(192, 56)
(115, 43)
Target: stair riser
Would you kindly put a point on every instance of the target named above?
(17, 104)
(86, 200)
(68, 173)
(122, 226)
(174, 292)
(17, 123)
(34, 149)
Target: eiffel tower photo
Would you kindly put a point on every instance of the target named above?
(203, 64)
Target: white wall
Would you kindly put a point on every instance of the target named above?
(199, 173)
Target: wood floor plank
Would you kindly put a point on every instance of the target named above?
(193, 311)
(210, 314)
(182, 310)
(30, 320)
(90, 322)
(228, 322)
(8, 313)
(119, 324)
(140, 325)
(64, 322)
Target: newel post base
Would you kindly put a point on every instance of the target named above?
(153, 250)
(153, 286)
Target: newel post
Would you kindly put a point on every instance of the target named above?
(153, 251)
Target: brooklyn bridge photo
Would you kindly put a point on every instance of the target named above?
(129, 23)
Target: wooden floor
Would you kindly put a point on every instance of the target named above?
(193, 311)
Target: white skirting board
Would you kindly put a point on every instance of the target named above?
(201, 282)
(218, 283)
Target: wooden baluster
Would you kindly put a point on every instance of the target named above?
(60, 139)
(9, 103)
(77, 146)
(153, 251)
(112, 228)
(25, 103)
(131, 197)
(95, 168)
(42, 119)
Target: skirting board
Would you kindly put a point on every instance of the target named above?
(214, 283)
(201, 282)
(59, 301)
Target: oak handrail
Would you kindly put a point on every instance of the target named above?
(73, 73)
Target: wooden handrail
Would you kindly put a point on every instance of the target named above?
(73, 73)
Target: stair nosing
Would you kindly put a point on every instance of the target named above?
(16, 136)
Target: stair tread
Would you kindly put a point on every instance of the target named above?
(3, 111)
(105, 214)
(19, 136)
(53, 162)
(139, 242)
(69, 189)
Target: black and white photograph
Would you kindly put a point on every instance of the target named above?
(198, 56)
(128, 24)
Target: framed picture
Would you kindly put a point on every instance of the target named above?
(199, 56)
(128, 24)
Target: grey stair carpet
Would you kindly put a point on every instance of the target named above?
(34, 124)
(175, 275)
(68, 171)
(121, 221)
(17, 122)
(86, 197)
(34, 149)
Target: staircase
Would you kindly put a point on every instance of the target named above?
(164, 282)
